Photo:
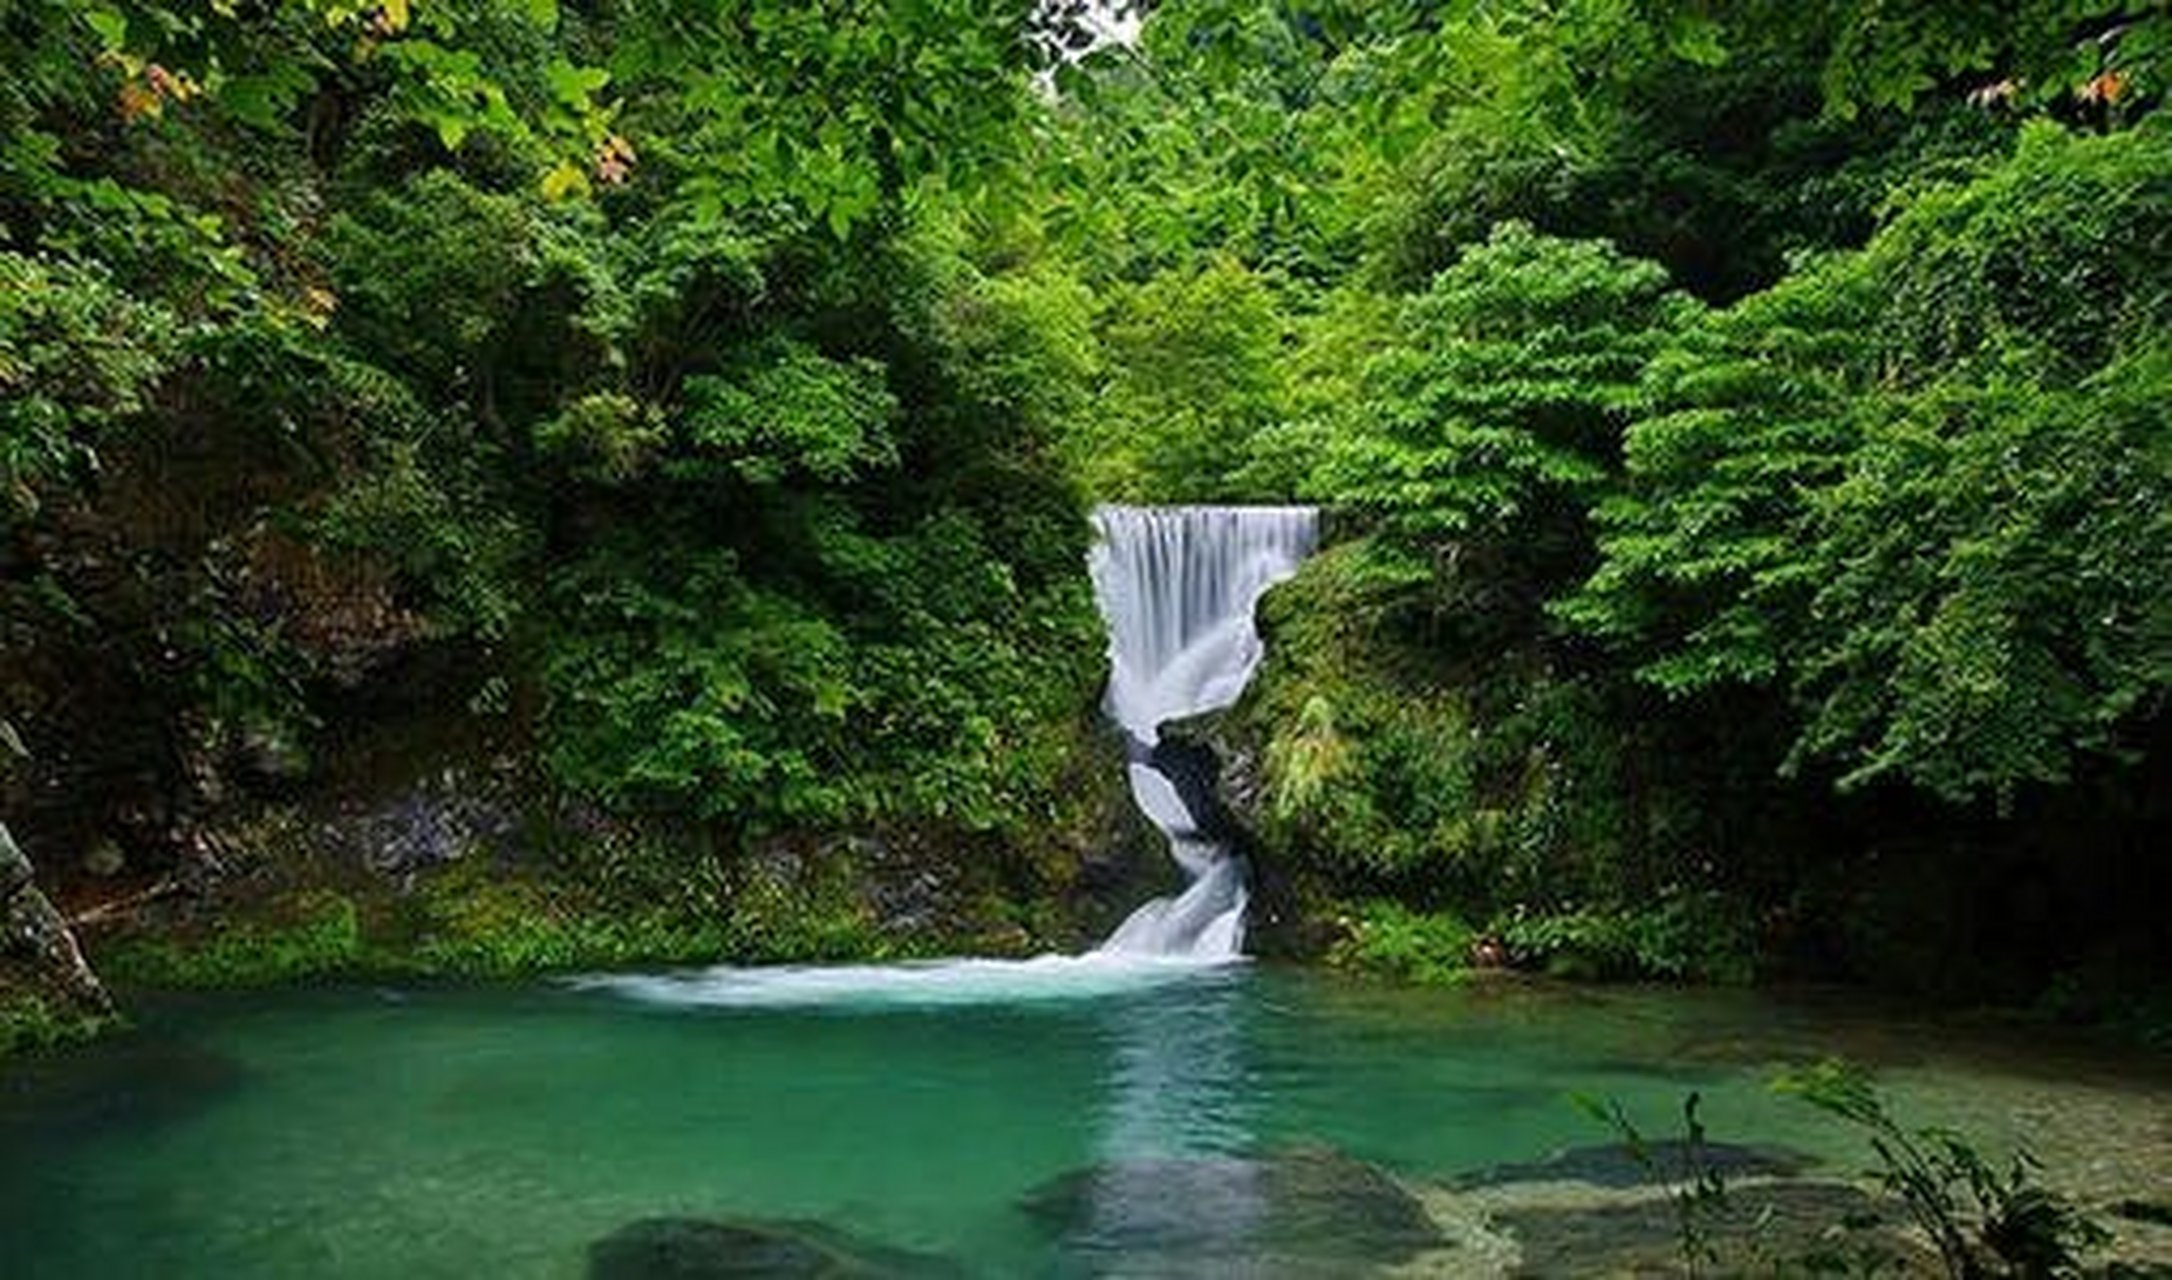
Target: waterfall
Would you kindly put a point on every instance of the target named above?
(1177, 586)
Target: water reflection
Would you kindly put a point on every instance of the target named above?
(1175, 1177)
(1179, 1077)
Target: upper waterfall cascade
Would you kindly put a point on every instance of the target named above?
(1177, 586)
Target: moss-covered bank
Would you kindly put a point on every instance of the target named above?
(432, 858)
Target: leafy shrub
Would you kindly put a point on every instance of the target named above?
(1196, 362)
(1698, 936)
(77, 355)
(1496, 413)
(1388, 938)
(1985, 1222)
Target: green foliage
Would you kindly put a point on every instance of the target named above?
(717, 390)
(1429, 740)
(1917, 486)
(470, 921)
(1387, 938)
(788, 410)
(632, 365)
(832, 112)
(2053, 251)
(1702, 937)
(437, 236)
(1365, 772)
(1496, 413)
(1389, 764)
(2046, 624)
(76, 354)
(938, 690)
(30, 1022)
(795, 920)
(693, 684)
(1985, 1222)
(469, 925)
(1196, 361)
(1024, 340)
(603, 437)
(312, 934)
(1888, 54)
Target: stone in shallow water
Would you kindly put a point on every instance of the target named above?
(1780, 1228)
(1611, 1165)
(698, 1249)
(1290, 1213)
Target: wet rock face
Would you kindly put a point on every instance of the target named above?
(1284, 920)
(699, 1249)
(1196, 773)
(1205, 751)
(437, 819)
(1285, 1214)
(33, 932)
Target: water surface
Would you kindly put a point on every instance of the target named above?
(461, 1132)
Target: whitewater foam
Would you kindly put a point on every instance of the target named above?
(926, 983)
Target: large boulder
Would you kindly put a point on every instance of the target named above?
(33, 932)
(1299, 1212)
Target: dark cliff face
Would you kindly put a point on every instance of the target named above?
(1219, 757)
(1193, 769)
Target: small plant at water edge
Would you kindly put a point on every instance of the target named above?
(1694, 1185)
(1987, 1224)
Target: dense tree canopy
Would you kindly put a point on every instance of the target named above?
(628, 347)
(1727, 413)
(1735, 409)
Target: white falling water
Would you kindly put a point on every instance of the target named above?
(1177, 586)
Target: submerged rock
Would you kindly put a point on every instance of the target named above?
(127, 1085)
(1302, 1212)
(699, 1249)
(1764, 1229)
(1611, 1165)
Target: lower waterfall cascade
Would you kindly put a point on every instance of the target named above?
(1177, 587)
